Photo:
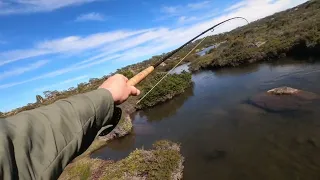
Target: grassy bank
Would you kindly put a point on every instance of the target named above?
(162, 162)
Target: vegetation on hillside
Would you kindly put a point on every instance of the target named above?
(169, 87)
(292, 32)
(174, 84)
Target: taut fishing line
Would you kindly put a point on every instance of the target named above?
(146, 72)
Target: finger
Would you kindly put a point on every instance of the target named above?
(122, 76)
(134, 91)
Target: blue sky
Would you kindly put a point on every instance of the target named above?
(56, 44)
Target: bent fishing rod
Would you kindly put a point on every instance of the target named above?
(143, 74)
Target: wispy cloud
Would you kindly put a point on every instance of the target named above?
(170, 9)
(236, 6)
(199, 5)
(184, 19)
(146, 42)
(70, 44)
(93, 16)
(31, 6)
(183, 9)
(62, 71)
(65, 82)
(22, 70)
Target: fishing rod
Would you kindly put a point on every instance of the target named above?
(143, 74)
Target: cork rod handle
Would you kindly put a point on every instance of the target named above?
(140, 76)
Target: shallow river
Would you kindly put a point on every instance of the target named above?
(223, 137)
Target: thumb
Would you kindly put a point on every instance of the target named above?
(134, 91)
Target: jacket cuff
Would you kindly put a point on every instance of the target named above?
(103, 104)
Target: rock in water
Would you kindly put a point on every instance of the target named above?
(285, 99)
(283, 91)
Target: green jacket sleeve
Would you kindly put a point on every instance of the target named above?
(38, 144)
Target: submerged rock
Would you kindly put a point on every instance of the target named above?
(163, 162)
(285, 99)
(143, 129)
(215, 155)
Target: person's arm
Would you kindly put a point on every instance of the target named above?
(38, 144)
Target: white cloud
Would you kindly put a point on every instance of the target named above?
(148, 42)
(184, 9)
(188, 13)
(67, 45)
(184, 19)
(200, 5)
(62, 71)
(170, 9)
(65, 82)
(15, 55)
(93, 16)
(236, 6)
(22, 70)
(31, 6)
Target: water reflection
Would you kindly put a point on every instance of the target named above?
(237, 71)
(206, 50)
(116, 150)
(171, 107)
(179, 69)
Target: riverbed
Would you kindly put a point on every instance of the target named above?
(224, 137)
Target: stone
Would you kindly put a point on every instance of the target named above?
(285, 99)
(283, 91)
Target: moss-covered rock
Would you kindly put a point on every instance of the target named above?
(163, 162)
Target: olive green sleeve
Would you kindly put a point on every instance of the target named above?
(38, 144)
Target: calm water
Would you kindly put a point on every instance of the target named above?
(222, 137)
(206, 50)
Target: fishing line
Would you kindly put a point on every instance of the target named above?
(171, 70)
(143, 74)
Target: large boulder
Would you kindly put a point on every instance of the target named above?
(285, 99)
